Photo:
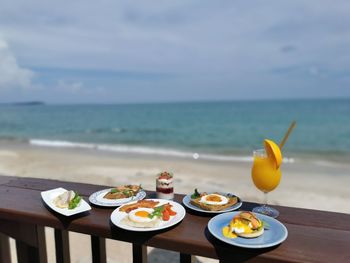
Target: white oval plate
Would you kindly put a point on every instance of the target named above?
(97, 198)
(117, 216)
(186, 201)
(50, 195)
(274, 235)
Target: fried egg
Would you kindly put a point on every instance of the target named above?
(141, 215)
(214, 199)
(140, 218)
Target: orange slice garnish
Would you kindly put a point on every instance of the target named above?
(273, 152)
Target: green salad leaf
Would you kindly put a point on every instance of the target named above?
(265, 225)
(128, 193)
(114, 190)
(157, 212)
(75, 201)
(196, 194)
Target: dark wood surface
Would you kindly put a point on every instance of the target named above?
(314, 236)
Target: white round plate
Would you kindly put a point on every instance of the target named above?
(117, 216)
(274, 235)
(97, 198)
(186, 201)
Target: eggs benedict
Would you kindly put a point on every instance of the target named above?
(245, 224)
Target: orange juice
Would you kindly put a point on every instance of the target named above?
(264, 173)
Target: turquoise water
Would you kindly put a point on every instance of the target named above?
(218, 129)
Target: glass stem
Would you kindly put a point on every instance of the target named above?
(265, 199)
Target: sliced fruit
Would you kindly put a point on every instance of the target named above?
(273, 152)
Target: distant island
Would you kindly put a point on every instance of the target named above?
(23, 103)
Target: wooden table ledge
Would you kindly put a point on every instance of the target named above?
(314, 236)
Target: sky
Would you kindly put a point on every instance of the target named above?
(158, 51)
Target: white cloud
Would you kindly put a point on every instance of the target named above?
(215, 48)
(11, 74)
(70, 87)
(176, 36)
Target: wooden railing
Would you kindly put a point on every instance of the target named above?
(314, 236)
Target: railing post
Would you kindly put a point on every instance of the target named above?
(41, 244)
(98, 249)
(26, 253)
(62, 246)
(139, 253)
(186, 258)
(30, 241)
(4, 248)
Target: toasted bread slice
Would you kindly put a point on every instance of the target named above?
(110, 195)
(138, 204)
(231, 201)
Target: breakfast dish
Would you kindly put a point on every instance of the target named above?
(68, 199)
(244, 224)
(248, 230)
(117, 196)
(164, 185)
(124, 191)
(212, 202)
(65, 202)
(148, 215)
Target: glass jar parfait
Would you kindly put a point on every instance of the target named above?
(164, 185)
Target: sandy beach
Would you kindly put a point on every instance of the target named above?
(305, 183)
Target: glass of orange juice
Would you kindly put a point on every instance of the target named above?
(266, 177)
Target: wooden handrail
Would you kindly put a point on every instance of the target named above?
(314, 236)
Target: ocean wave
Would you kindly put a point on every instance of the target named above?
(11, 139)
(130, 130)
(145, 151)
(61, 144)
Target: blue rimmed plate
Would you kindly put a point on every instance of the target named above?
(274, 235)
(97, 198)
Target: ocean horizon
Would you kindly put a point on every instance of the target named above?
(226, 130)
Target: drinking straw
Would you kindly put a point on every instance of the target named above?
(291, 127)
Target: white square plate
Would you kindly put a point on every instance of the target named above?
(50, 195)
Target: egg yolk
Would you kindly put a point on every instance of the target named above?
(213, 198)
(226, 231)
(142, 214)
(241, 225)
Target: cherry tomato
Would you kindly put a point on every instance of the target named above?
(166, 215)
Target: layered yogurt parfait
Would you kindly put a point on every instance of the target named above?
(164, 185)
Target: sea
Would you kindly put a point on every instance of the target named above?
(220, 131)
